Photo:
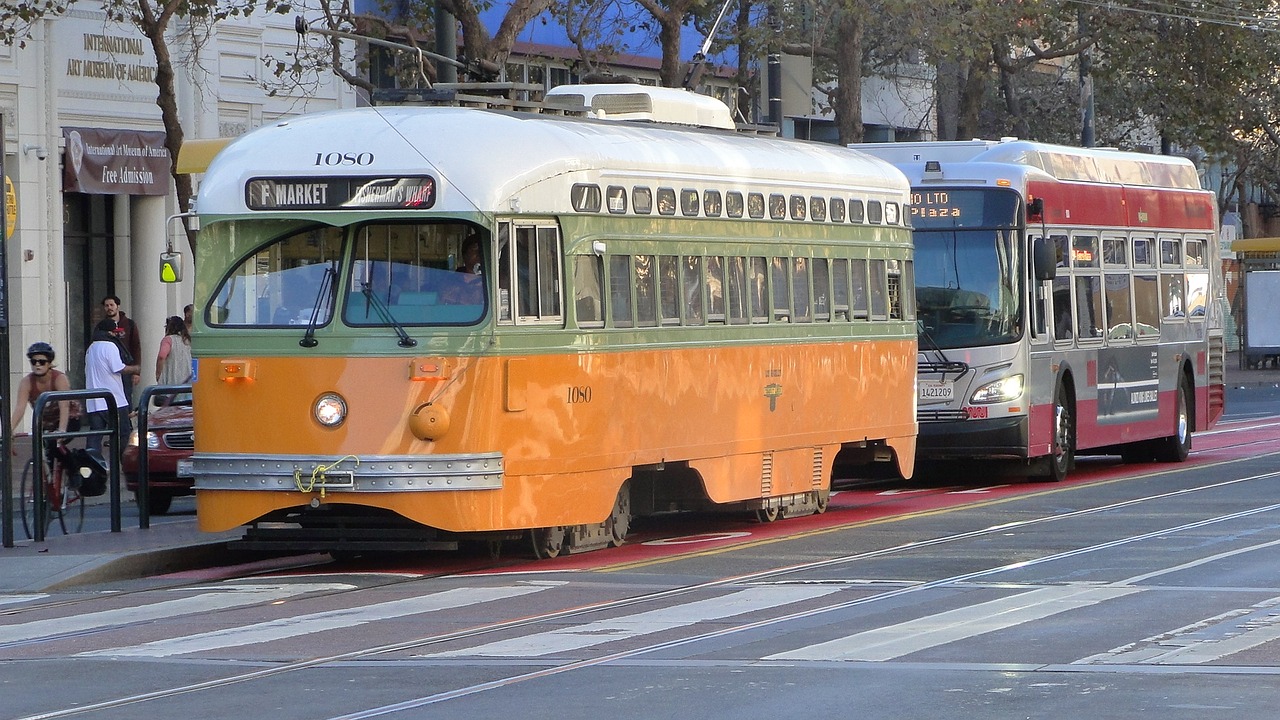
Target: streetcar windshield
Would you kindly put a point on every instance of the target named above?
(419, 273)
(965, 288)
(282, 284)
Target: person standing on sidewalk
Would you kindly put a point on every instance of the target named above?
(104, 369)
(125, 332)
(173, 362)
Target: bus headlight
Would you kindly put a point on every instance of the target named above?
(1001, 391)
(330, 410)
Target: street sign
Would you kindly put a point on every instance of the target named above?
(10, 208)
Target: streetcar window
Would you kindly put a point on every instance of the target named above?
(840, 287)
(736, 297)
(821, 289)
(879, 290)
(620, 290)
(818, 209)
(895, 289)
(691, 282)
(669, 289)
(537, 276)
(758, 289)
(711, 204)
(587, 290)
(715, 290)
(777, 207)
(689, 203)
(733, 204)
(860, 300)
(780, 285)
(642, 200)
(891, 213)
(1171, 291)
(875, 212)
(666, 201)
(856, 214)
(646, 291)
(417, 274)
(800, 289)
(616, 199)
(1119, 309)
(755, 205)
(1146, 305)
(1170, 252)
(837, 210)
(281, 283)
(1089, 307)
(585, 197)
(798, 207)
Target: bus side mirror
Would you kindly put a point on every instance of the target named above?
(1044, 259)
(170, 267)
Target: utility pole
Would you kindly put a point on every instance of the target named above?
(446, 45)
(6, 463)
(1086, 85)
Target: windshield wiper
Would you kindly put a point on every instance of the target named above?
(326, 283)
(943, 365)
(384, 314)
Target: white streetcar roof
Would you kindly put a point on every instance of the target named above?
(491, 161)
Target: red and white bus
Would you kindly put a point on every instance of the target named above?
(1066, 302)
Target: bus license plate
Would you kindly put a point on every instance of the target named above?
(186, 469)
(937, 391)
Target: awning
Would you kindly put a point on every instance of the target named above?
(195, 155)
(1271, 244)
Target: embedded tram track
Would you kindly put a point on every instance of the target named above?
(767, 575)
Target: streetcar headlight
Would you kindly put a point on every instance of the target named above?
(1001, 391)
(330, 410)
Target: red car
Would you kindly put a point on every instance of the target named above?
(170, 443)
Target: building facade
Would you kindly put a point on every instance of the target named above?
(84, 148)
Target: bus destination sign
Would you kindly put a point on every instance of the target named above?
(963, 208)
(341, 193)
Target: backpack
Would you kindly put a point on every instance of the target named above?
(85, 471)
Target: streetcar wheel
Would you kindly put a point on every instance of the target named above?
(824, 497)
(769, 514)
(548, 542)
(620, 518)
(1176, 447)
(1062, 457)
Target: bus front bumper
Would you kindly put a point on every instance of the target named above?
(1005, 438)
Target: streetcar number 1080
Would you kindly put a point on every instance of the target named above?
(579, 394)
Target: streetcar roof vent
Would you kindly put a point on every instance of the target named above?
(629, 101)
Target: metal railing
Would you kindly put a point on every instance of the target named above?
(143, 493)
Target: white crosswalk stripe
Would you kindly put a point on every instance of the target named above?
(1202, 642)
(653, 621)
(912, 636)
(228, 597)
(315, 622)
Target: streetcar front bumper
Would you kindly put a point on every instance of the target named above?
(350, 473)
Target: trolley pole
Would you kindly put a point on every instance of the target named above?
(6, 462)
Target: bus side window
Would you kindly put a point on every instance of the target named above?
(1146, 305)
(1119, 311)
(1062, 329)
(1171, 291)
(1089, 306)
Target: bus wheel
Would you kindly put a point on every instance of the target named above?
(548, 542)
(1062, 456)
(1177, 446)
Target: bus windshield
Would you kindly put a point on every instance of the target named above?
(968, 289)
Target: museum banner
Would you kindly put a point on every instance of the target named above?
(106, 161)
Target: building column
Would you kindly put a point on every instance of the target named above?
(151, 301)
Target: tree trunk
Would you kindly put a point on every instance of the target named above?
(848, 95)
(972, 91)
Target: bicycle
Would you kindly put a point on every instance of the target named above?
(61, 500)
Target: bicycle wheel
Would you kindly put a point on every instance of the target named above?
(27, 503)
(68, 503)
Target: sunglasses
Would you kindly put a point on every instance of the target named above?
(39, 361)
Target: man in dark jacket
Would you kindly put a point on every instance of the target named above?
(125, 333)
